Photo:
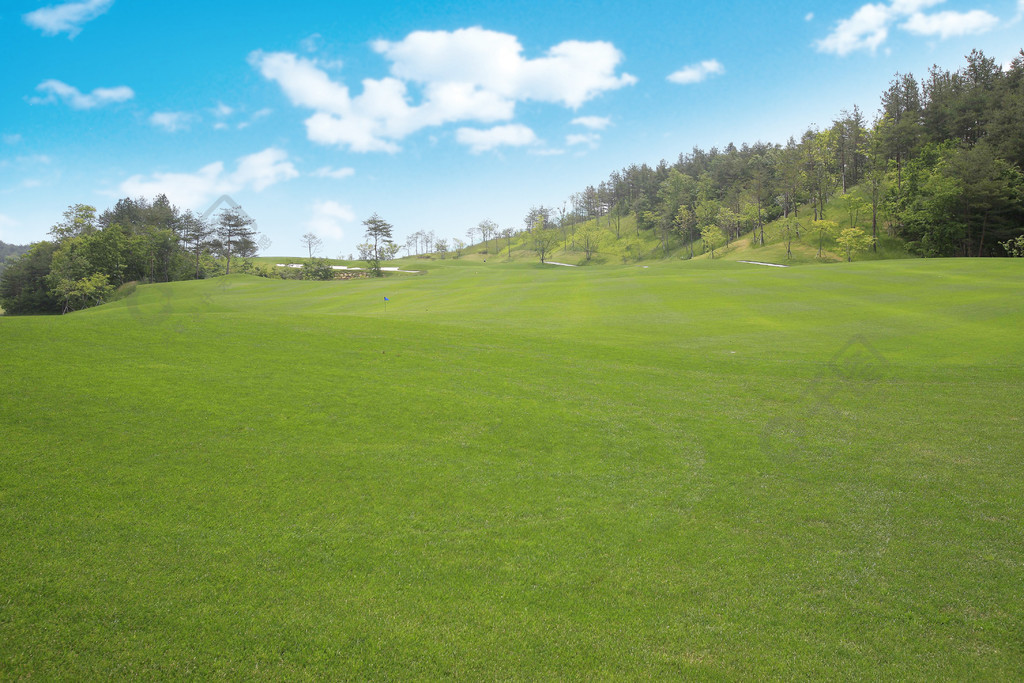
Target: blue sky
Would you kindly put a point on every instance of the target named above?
(314, 115)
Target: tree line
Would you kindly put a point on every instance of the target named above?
(89, 256)
(9, 252)
(939, 167)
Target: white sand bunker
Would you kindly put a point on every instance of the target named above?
(392, 269)
(761, 263)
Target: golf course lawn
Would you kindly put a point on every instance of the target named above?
(688, 470)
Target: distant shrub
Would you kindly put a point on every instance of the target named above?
(1014, 247)
(317, 269)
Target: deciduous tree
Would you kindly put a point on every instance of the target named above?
(711, 235)
(312, 243)
(853, 240)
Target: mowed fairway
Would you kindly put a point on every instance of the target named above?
(688, 470)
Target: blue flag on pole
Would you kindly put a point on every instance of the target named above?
(386, 299)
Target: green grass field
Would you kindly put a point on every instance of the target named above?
(685, 470)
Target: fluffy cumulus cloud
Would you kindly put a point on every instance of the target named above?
(68, 17)
(948, 24)
(868, 28)
(330, 218)
(570, 73)
(53, 91)
(511, 135)
(459, 76)
(256, 172)
(696, 73)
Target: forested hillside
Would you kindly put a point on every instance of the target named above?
(9, 251)
(939, 167)
(88, 256)
(938, 170)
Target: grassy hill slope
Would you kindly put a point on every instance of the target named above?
(709, 469)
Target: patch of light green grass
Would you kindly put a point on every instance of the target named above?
(701, 469)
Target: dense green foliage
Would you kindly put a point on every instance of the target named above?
(9, 251)
(940, 168)
(698, 469)
(23, 284)
(89, 257)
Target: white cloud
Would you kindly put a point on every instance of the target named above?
(261, 114)
(222, 110)
(589, 139)
(55, 90)
(512, 135)
(905, 7)
(263, 169)
(12, 138)
(869, 26)
(8, 222)
(948, 24)
(465, 75)
(695, 73)
(336, 174)
(256, 171)
(311, 43)
(329, 219)
(171, 121)
(66, 18)
(570, 73)
(592, 122)
(865, 30)
(809, 16)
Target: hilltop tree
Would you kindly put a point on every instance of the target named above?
(376, 247)
(486, 228)
(78, 219)
(195, 234)
(312, 243)
(235, 235)
(537, 216)
(457, 246)
(508, 234)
